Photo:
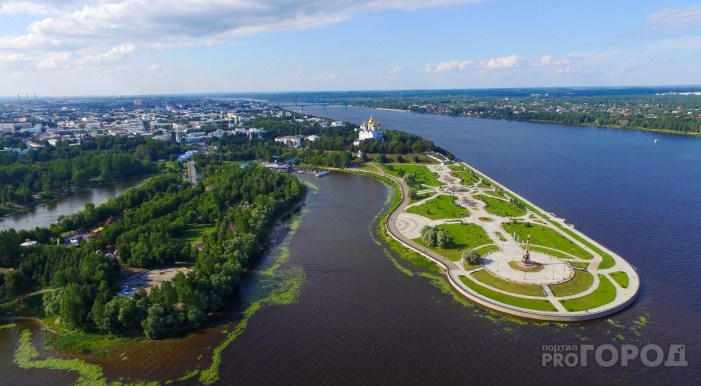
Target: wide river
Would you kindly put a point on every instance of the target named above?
(360, 319)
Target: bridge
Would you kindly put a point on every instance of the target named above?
(302, 105)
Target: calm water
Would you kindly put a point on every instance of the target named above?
(360, 320)
(44, 215)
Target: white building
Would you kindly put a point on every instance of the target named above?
(313, 138)
(369, 130)
(290, 140)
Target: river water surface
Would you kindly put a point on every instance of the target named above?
(359, 319)
(48, 213)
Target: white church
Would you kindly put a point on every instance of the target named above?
(369, 130)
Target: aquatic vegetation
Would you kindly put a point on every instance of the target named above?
(26, 357)
(287, 292)
(638, 324)
(6, 326)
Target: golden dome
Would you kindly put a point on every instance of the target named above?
(371, 122)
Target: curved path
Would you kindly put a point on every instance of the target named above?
(395, 233)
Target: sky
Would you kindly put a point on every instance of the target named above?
(140, 47)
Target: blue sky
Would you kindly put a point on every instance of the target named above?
(128, 47)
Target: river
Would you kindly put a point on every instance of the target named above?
(43, 215)
(359, 319)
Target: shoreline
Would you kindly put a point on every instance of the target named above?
(659, 131)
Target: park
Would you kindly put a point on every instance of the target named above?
(502, 251)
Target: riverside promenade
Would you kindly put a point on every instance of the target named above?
(556, 273)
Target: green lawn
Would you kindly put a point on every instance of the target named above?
(465, 177)
(423, 175)
(422, 196)
(547, 237)
(621, 278)
(494, 193)
(486, 249)
(486, 277)
(581, 281)
(579, 264)
(604, 294)
(606, 260)
(549, 251)
(533, 304)
(462, 236)
(441, 207)
(194, 233)
(499, 207)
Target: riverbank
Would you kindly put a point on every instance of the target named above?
(636, 128)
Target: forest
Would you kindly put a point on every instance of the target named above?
(145, 225)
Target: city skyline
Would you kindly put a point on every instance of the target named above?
(133, 47)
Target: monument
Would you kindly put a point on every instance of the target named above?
(526, 260)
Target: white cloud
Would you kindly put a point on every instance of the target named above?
(562, 64)
(155, 69)
(682, 44)
(449, 65)
(395, 71)
(328, 76)
(676, 18)
(112, 56)
(54, 60)
(5, 59)
(503, 62)
(152, 20)
(28, 7)
(95, 32)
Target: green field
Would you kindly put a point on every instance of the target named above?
(422, 196)
(486, 277)
(499, 207)
(552, 252)
(462, 236)
(194, 233)
(581, 281)
(441, 207)
(486, 249)
(579, 264)
(621, 278)
(547, 237)
(533, 304)
(423, 175)
(606, 260)
(605, 293)
(466, 178)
